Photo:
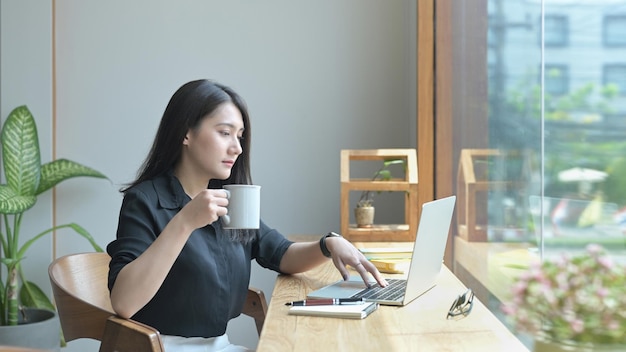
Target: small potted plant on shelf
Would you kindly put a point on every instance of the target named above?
(573, 303)
(21, 301)
(364, 210)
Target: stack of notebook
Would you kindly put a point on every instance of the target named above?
(348, 311)
(394, 260)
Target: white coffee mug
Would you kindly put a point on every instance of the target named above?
(244, 207)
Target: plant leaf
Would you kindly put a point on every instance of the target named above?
(384, 175)
(9, 261)
(32, 296)
(60, 170)
(12, 203)
(20, 152)
(393, 161)
(81, 231)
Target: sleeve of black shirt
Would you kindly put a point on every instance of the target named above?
(270, 248)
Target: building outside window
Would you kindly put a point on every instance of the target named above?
(614, 30)
(556, 31)
(615, 74)
(556, 78)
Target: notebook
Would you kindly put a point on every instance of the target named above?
(426, 261)
(392, 266)
(387, 253)
(349, 311)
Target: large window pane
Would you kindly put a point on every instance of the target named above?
(585, 143)
(540, 135)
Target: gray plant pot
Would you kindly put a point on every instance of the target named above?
(42, 331)
(364, 216)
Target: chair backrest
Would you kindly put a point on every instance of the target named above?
(79, 285)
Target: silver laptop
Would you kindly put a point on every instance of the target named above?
(426, 261)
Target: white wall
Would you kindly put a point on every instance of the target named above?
(26, 78)
(318, 77)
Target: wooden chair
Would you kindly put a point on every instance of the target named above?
(79, 285)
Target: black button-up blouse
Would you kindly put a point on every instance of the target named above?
(208, 283)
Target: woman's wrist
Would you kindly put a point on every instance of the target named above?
(323, 243)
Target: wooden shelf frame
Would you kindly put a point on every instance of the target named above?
(388, 232)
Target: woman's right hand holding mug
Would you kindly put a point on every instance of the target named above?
(205, 208)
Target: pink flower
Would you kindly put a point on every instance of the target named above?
(594, 249)
(509, 309)
(578, 298)
(562, 281)
(602, 292)
(606, 262)
(577, 325)
(519, 288)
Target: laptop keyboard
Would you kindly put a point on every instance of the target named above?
(394, 291)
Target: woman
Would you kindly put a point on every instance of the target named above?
(173, 266)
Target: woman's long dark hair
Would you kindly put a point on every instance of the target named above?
(189, 105)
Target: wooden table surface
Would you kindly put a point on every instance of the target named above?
(18, 349)
(419, 326)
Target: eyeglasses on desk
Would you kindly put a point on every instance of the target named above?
(462, 305)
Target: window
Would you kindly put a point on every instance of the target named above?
(556, 31)
(491, 31)
(556, 79)
(615, 74)
(524, 198)
(614, 30)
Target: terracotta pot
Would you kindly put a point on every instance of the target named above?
(364, 216)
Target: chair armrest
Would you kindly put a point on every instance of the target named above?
(126, 335)
(256, 307)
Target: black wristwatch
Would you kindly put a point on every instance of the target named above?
(323, 247)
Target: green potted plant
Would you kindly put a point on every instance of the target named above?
(26, 178)
(364, 211)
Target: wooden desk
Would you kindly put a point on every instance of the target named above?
(18, 349)
(419, 326)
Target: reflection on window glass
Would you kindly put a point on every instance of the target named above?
(584, 115)
(585, 140)
(548, 172)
